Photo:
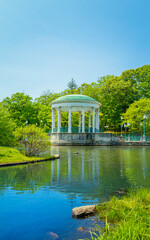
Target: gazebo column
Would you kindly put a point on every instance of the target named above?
(79, 122)
(93, 120)
(89, 121)
(69, 123)
(83, 120)
(59, 120)
(97, 119)
(53, 119)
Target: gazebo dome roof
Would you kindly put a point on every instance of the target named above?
(75, 98)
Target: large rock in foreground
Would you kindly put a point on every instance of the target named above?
(81, 212)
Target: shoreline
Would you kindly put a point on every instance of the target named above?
(122, 215)
(56, 156)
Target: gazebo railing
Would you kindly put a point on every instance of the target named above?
(64, 129)
(148, 138)
(135, 138)
(76, 130)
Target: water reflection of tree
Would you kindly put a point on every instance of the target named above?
(137, 166)
(93, 173)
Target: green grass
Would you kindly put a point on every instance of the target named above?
(127, 218)
(11, 155)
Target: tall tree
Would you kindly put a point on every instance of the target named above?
(21, 108)
(7, 127)
(72, 85)
(116, 95)
(143, 80)
(135, 115)
(44, 107)
(91, 90)
(141, 77)
(47, 97)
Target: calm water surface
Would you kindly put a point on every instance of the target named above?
(37, 200)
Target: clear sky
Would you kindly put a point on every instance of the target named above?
(45, 43)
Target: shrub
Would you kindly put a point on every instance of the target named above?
(34, 139)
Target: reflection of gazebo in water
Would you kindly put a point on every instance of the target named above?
(76, 103)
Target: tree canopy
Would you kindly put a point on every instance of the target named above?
(135, 115)
(7, 126)
(72, 85)
(21, 108)
(115, 93)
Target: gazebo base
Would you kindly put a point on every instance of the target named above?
(84, 139)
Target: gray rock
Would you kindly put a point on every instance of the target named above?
(52, 236)
(121, 192)
(80, 212)
(81, 229)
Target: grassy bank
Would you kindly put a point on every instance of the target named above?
(127, 218)
(11, 155)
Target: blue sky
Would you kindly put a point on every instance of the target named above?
(45, 43)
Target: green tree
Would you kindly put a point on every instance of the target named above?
(72, 85)
(44, 108)
(21, 108)
(135, 113)
(139, 77)
(116, 95)
(91, 90)
(33, 139)
(143, 80)
(7, 127)
(47, 97)
(44, 112)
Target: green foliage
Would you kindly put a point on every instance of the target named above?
(47, 97)
(72, 85)
(68, 92)
(91, 90)
(7, 127)
(115, 93)
(136, 111)
(21, 108)
(44, 112)
(33, 139)
(143, 81)
(141, 78)
(129, 216)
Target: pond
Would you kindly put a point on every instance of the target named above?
(36, 200)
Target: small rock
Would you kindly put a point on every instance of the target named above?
(121, 192)
(52, 236)
(81, 229)
(76, 153)
(83, 211)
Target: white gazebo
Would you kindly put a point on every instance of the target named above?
(76, 103)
